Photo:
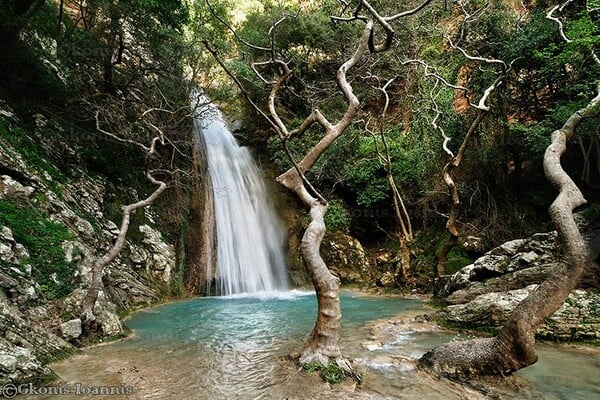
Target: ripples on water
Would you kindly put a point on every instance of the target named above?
(238, 347)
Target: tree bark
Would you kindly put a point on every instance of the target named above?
(405, 236)
(323, 345)
(514, 347)
(447, 174)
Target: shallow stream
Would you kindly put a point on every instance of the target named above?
(239, 347)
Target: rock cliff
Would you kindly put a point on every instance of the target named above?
(484, 293)
(52, 228)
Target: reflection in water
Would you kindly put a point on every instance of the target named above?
(238, 348)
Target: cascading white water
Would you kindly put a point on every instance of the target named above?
(250, 257)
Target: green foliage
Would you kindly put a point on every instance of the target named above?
(457, 259)
(337, 217)
(536, 137)
(43, 238)
(248, 78)
(332, 374)
(313, 367)
(411, 167)
(175, 13)
(366, 176)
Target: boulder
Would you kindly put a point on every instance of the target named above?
(484, 293)
(14, 189)
(104, 310)
(577, 319)
(538, 250)
(71, 329)
(8, 363)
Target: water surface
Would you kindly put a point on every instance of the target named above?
(239, 347)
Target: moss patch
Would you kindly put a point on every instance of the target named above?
(43, 239)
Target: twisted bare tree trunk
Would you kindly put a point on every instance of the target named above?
(324, 340)
(323, 345)
(514, 347)
(406, 232)
(89, 301)
(448, 176)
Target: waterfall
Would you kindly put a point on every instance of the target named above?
(250, 236)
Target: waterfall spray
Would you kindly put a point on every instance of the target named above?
(250, 236)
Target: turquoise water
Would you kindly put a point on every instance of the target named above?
(236, 319)
(565, 373)
(239, 347)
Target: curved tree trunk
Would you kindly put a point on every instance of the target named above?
(323, 345)
(324, 340)
(447, 174)
(89, 301)
(405, 236)
(326, 332)
(514, 347)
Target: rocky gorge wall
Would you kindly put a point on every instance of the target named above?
(52, 228)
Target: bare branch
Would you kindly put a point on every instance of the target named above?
(284, 75)
(409, 12)
(434, 123)
(551, 17)
(238, 83)
(257, 72)
(476, 58)
(87, 305)
(428, 72)
(481, 105)
(233, 31)
(113, 136)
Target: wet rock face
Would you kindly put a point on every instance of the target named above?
(484, 293)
